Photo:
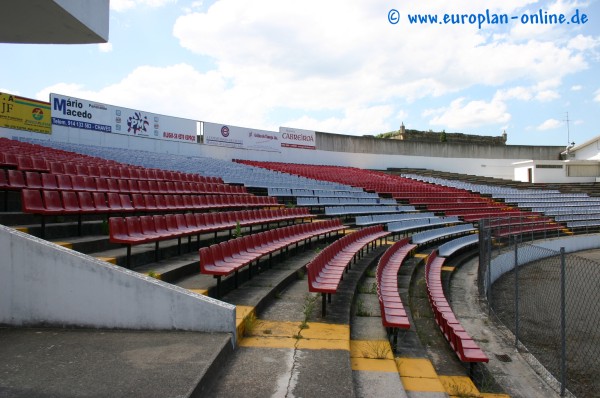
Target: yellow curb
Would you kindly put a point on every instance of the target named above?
(318, 344)
(449, 269)
(203, 292)
(263, 328)
(326, 331)
(272, 342)
(373, 365)
(66, 245)
(22, 229)
(491, 395)
(459, 386)
(422, 384)
(420, 255)
(241, 313)
(415, 367)
(111, 260)
(371, 349)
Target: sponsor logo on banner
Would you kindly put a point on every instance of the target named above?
(241, 137)
(297, 138)
(86, 115)
(21, 113)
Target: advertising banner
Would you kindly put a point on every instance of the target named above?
(241, 137)
(21, 113)
(297, 138)
(88, 115)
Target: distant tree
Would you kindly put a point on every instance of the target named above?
(443, 137)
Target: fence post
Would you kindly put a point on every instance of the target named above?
(516, 293)
(563, 323)
(488, 249)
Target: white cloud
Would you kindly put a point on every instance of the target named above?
(341, 61)
(547, 95)
(125, 5)
(577, 87)
(597, 95)
(358, 121)
(105, 47)
(461, 115)
(549, 124)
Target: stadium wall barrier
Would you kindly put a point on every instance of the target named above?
(506, 262)
(43, 284)
(333, 149)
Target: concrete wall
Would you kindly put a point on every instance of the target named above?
(346, 143)
(362, 152)
(45, 284)
(506, 261)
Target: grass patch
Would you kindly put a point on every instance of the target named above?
(377, 349)
(307, 309)
(249, 323)
(360, 309)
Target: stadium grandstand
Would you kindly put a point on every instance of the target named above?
(200, 259)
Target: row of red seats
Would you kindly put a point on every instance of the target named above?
(145, 229)
(127, 172)
(461, 342)
(325, 271)
(71, 202)
(393, 315)
(46, 159)
(16, 180)
(230, 256)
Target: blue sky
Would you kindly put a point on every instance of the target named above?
(335, 66)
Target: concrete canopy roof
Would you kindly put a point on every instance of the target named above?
(54, 21)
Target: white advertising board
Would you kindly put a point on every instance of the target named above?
(297, 138)
(88, 115)
(261, 140)
(241, 137)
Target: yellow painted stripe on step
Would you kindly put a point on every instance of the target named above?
(373, 349)
(326, 331)
(241, 311)
(266, 341)
(423, 384)
(373, 365)
(449, 269)
(273, 329)
(66, 245)
(459, 386)
(111, 260)
(420, 255)
(23, 229)
(318, 344)
(415, 367)
(272, 342)
(203, 292)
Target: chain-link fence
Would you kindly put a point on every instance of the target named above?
(551, 303)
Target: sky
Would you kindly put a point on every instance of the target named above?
(356, 67)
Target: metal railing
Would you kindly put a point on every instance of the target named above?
(550, 301)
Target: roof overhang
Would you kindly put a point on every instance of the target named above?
(54, 21)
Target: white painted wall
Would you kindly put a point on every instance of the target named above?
(506, 261)
(589, 152)
(499, 168)
(45, 284)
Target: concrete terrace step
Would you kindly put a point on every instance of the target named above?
(54, 363)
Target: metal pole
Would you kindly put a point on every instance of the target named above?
(563, 323)
(516, 293)
(488, 258)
